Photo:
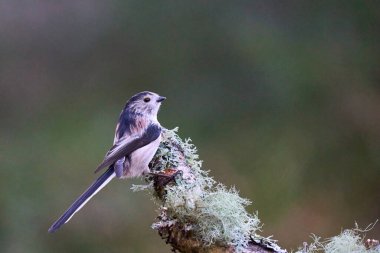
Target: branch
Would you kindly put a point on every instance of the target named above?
(197, 214)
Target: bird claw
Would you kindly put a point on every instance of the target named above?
(166, 173)
(163, 178)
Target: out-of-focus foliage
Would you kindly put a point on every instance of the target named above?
(282, 100)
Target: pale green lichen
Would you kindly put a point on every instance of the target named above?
(214, 213)
(143, 187)
(224, 218)
(217, 215)
(349, 241)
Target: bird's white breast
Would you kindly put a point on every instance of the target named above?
(141, 158)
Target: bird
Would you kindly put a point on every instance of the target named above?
(137, 138)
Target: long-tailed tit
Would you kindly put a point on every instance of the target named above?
(137, 137)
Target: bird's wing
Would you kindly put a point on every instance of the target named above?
(127, 145)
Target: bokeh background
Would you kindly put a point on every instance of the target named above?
(282, 99)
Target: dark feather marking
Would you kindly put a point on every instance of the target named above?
(127, 118)
(82, 198)
(151, 133)
(126, 121)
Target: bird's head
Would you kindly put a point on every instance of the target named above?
(146, 103)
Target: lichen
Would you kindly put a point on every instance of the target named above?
(224, 218)
(195, 202)
(214, 213)
(348, 241)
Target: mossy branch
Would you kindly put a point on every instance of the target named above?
(197, 214)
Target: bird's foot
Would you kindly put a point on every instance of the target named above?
(163, 178)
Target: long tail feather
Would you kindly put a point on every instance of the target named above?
(102, 181)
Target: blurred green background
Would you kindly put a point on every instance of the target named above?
(281, 98)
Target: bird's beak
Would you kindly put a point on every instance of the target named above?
(160, 99)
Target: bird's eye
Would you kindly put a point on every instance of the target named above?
(146, 100)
